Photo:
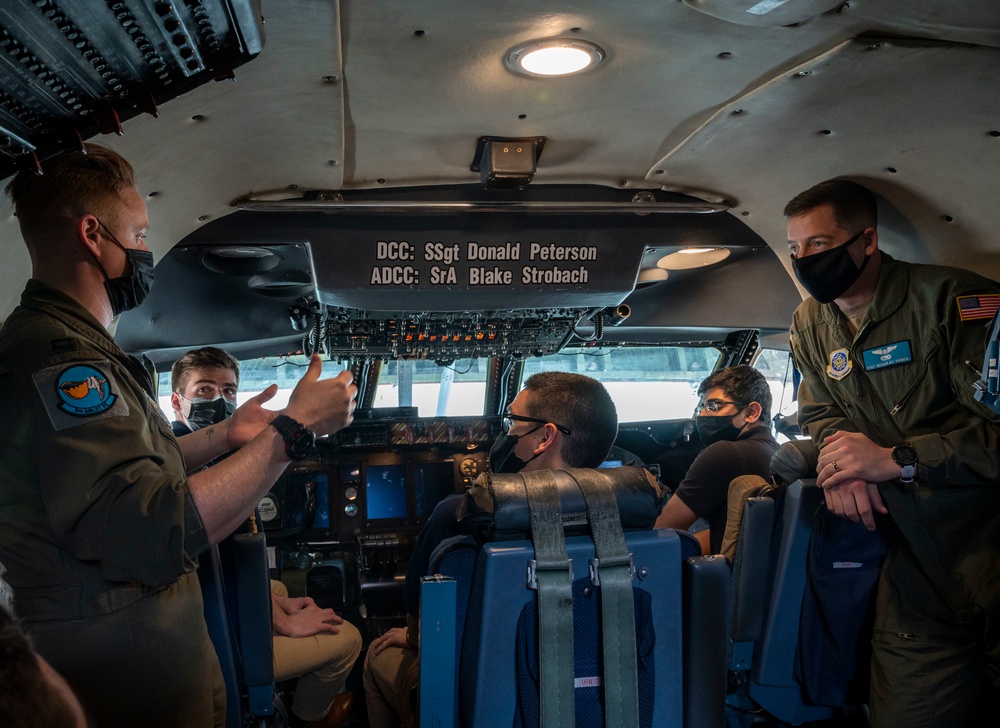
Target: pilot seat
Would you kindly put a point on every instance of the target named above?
(569, 610)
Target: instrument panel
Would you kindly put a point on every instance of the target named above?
(376, 477)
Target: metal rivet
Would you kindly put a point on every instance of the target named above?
(202, 218)
(725, 54)
(891, 170)
(947, 218)
(825, 132)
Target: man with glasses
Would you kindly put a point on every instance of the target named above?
(100, 524)
(734, 423)
(890, 354)
(559, 420)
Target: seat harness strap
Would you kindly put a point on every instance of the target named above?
(612, 571)
(551, 573)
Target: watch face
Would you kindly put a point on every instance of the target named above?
(904, 455)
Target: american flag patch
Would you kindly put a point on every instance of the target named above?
(978, 307)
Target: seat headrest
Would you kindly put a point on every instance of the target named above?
(497, 505)
(794, 460)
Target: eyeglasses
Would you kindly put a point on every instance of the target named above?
(714, 405)
(508, 421)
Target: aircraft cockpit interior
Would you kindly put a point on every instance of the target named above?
(405, 192)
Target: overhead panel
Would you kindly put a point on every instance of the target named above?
(70, 70)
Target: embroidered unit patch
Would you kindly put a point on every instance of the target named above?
(84, 390)
(971, 308)
(888, 355)
(77, 393)
(840, 364)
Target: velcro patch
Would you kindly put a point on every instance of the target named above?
(77, 393)
(984, 306)
(61, 346)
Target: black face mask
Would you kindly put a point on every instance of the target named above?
(502, 457)
(712, 428)
(128, 291)
(829, 274)
(205, 412)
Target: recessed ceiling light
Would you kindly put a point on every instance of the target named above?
(554, 57)
(692, 258)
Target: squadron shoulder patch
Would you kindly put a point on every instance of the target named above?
(840, 364)
(77, 393)
(983, 306)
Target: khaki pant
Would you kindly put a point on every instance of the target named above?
(321, 662)
(391, 680)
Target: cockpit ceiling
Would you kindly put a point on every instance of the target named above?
(724, 101)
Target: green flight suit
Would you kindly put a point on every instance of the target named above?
(907, 377)
(98, 531)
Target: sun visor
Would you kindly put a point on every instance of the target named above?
(488, 262)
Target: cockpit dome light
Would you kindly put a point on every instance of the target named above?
(554, 57)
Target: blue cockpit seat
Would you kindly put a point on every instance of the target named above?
(787, 548)
(236, 589)
(621, 643)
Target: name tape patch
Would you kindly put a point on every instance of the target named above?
(888, 355)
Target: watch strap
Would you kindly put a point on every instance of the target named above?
(298, 439)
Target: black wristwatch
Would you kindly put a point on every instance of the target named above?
(298, 440)
(906, 457)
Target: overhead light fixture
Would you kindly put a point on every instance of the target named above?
(554, 57)
(649, 276)
(692, 258)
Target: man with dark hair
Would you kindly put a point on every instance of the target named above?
(734, 423)
(203, 386)
(559, 420)
(885, 349)
(100, 528)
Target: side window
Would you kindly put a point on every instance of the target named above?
(646, 383)
(776, 366)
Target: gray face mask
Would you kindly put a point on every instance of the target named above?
(206, 412)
